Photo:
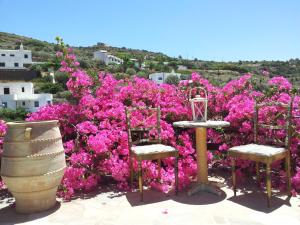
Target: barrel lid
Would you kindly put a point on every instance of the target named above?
(28, 123)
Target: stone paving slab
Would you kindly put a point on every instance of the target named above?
(109, 208)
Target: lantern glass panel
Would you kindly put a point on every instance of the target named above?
(199, 105)
(199, 110)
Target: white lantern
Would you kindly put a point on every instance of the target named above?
(199, 104)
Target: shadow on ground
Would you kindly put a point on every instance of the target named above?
(153, 196)
(252, 196)
(257, 200)
(8, 215)
(6, 197)
(109, 185)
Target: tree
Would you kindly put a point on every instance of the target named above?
(126, 64)
(142, 74)
(172, 79)
(131, 71)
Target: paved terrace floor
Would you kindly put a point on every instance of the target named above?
(105, 207)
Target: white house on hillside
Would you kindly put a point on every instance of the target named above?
(15, 59)
(106, 58)
(182, 67)
(21, 94)
(161, 77)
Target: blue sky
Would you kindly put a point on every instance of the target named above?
(223, 30)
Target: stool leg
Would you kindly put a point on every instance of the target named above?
(288, 172)
(257, 174)
(131, 173)
(159, 169)
(233, 175)
(141, 180)
(268, 171)
(176, 175)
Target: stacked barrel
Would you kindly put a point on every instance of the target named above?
(33, 164)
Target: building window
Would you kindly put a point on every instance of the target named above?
(36, 104)
(26, 56)
(16, 64)
(4, 105)
(160, 78)
(2, 64)
(12, 55)
(48, 102)
(6, 91)
(23, 103)
(23, 89)
(2, 54)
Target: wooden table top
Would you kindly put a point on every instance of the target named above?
(206, 124)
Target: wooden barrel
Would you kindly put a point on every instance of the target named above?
(33, 164)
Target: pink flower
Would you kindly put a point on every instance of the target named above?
(99, 143)
(165, 211)
(296, 181)
(223, 147)
(195, 77)
(87, 127)
(59, 54)
(265, 73)
(69, 146)
(281, 83)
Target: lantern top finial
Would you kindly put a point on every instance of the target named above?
(199, 90)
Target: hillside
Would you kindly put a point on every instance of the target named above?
(217, 72)
(43, 51)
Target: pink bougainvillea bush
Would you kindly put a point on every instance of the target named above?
(95, 135)
(3, 128)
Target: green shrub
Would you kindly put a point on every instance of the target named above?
(143, 74)
(61, 78)
(13, 115)
(172, 79)
(120, 76)
(131, 71)
(45, 79)
(185, 76)
(51, 88)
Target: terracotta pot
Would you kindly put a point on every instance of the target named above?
(33, 164)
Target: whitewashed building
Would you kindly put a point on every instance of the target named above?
(21, 94)
(106, 58)
(161, 77)
(182, 67)
(15, 59)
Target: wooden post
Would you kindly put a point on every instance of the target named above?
(269, 184)
(141, 180)
(257, 174)
(201, 148)
(176, 175)
(233, 175)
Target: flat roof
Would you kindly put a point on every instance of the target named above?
(16, 50)
(17, 75)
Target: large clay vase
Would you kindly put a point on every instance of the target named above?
(33, 164)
